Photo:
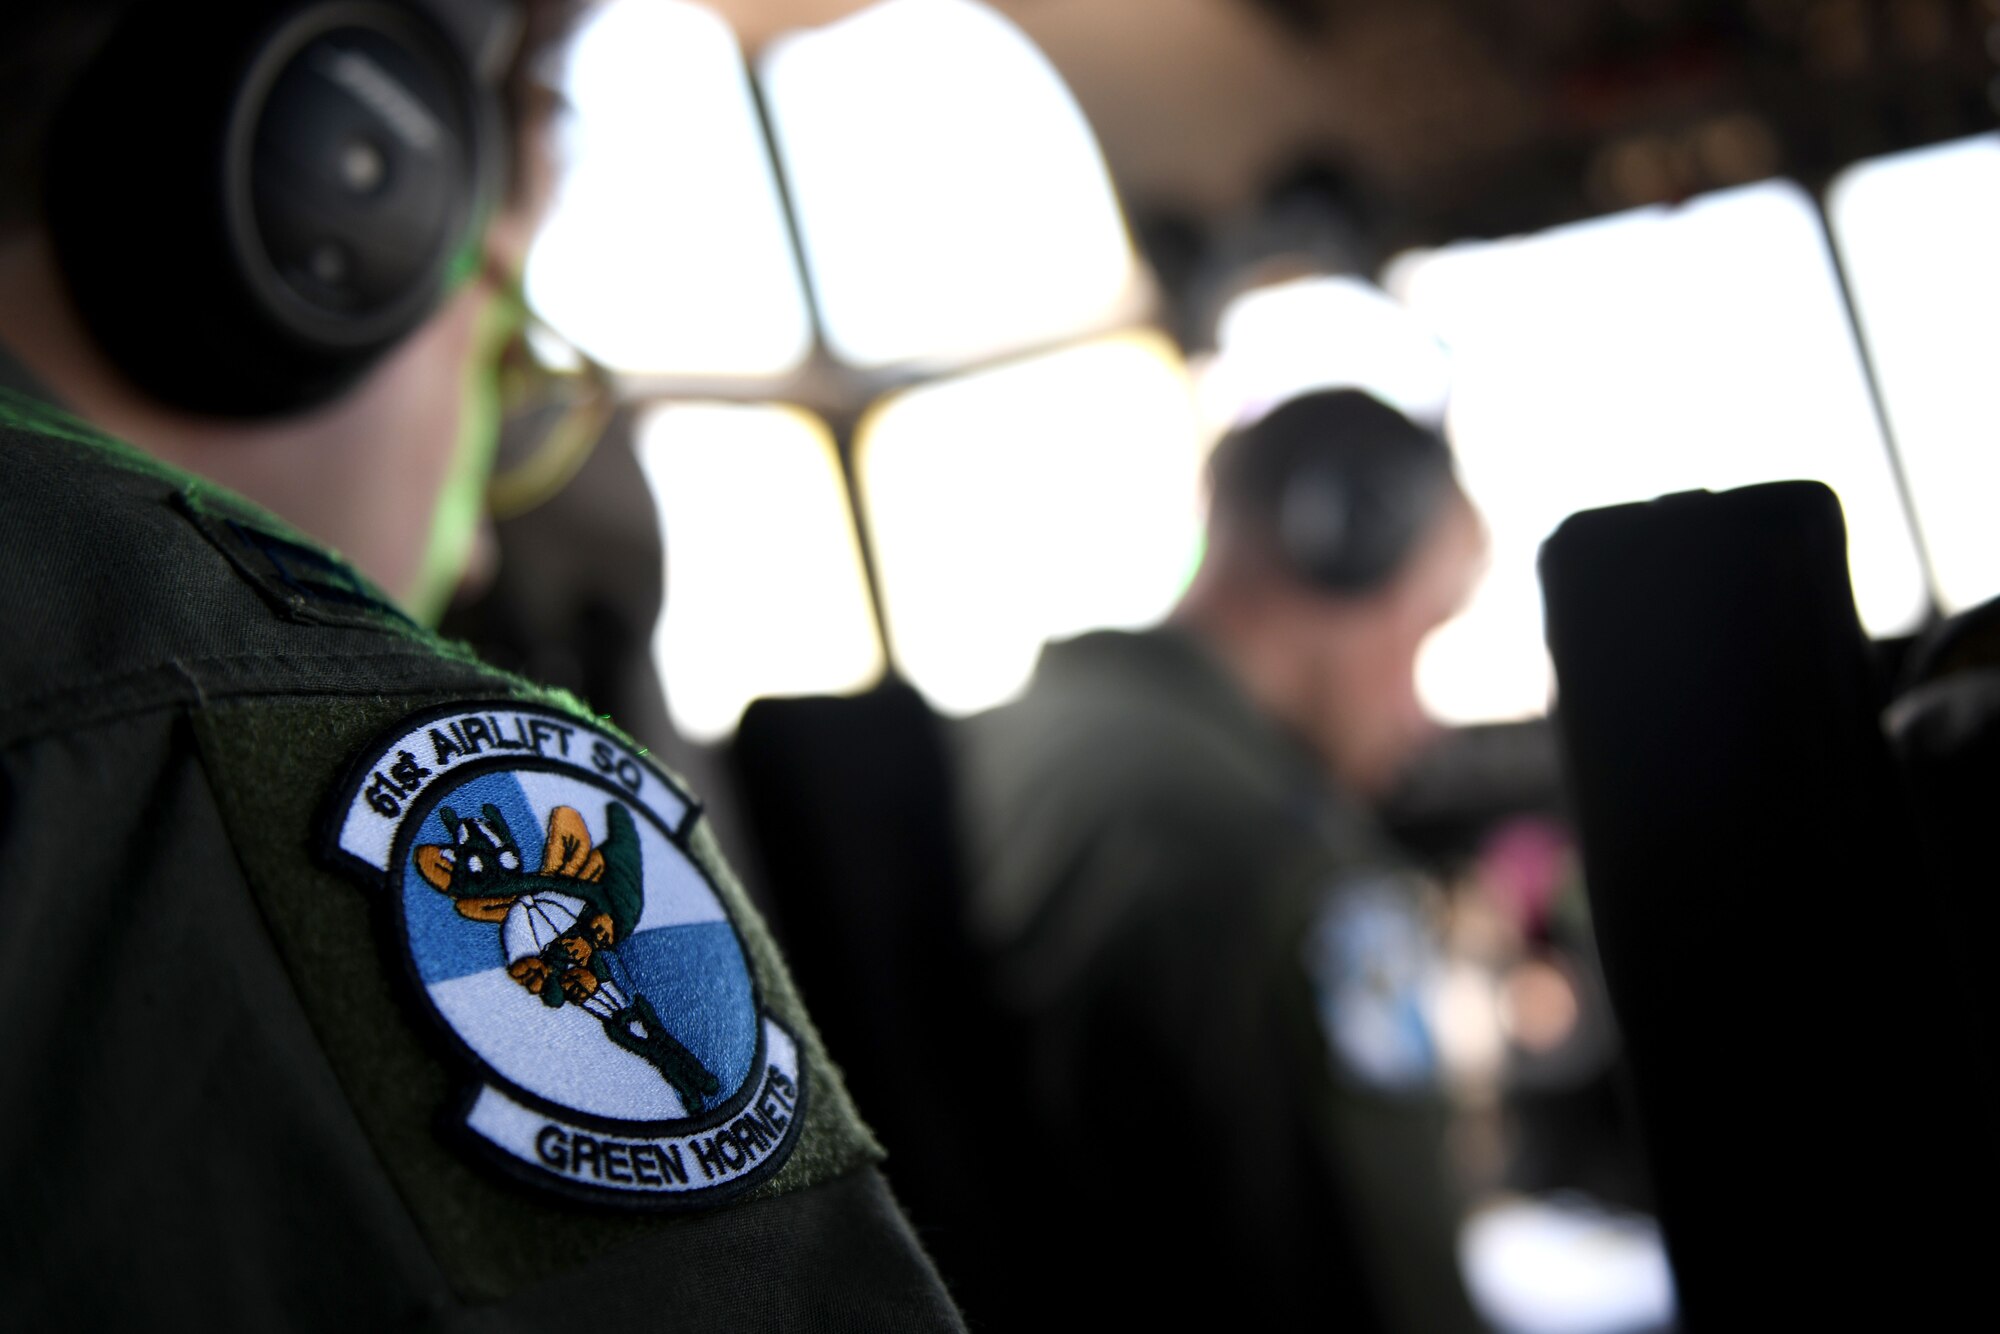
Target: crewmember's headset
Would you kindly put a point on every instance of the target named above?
(1345, 486)
(253, 203)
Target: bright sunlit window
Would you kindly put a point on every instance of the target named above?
(1920, 234)
(1654, 351)
(1032, 501)
(1286, 339)
(951, 198)
(765, 590)
(666, 251)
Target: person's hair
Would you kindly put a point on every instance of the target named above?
(1384, 478)
(46, 44)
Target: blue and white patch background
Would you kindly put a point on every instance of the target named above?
(1373, 965)
(683, 955)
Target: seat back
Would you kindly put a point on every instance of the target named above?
(850, 804)
(1772, 941)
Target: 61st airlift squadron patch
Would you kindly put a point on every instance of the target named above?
(552, 920)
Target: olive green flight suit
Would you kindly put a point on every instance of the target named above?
(222, 1107)
(1151, 861)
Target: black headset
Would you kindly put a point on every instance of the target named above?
(254, 202)
(1344, 486)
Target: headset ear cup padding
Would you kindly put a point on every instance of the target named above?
(221, 250)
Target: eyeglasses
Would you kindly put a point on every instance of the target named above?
(555, 403)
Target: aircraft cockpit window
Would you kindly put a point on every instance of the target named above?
(1284, 338)
(667, 252)
(945, 195)
(1030, 501)
(1916, 234)
(951, 200)
(769, 597)
(1653, 351)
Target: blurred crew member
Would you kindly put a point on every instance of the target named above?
(356, 984)
(1204, 951)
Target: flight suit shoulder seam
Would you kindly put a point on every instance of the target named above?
(177, 683)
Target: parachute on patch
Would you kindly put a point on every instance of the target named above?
(560, 926)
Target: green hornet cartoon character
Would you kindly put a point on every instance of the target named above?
(560, 927)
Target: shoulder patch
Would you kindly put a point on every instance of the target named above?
(536, 881)
(1374, 968)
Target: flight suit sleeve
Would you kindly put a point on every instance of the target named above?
(265, 1111)
(1326, 1189)
(768, 1203)
(270, 1065)
(179, 1153)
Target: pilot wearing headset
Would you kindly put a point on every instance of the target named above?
(1208, 965)
(353, 983)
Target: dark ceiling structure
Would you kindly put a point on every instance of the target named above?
(1433, 120)
(1484, 117)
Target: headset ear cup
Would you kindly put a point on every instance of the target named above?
(1348, 515)
(1316, 525)
(251, 206)
(1341, 486)
(1348, 532)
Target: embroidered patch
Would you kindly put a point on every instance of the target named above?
(585, 968)
(1373, 965)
